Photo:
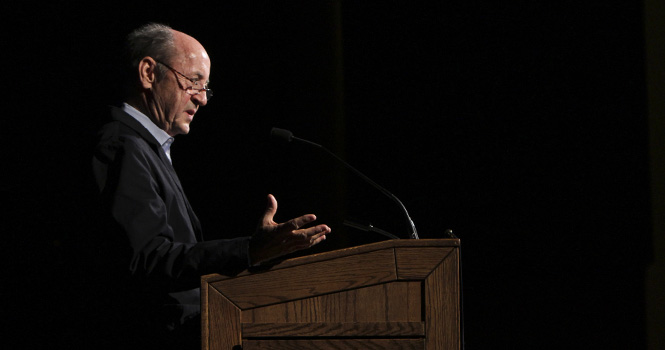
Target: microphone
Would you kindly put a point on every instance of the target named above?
(287, 136)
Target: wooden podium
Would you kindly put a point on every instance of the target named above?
(397, 294)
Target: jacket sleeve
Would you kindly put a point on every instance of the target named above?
(164, 250)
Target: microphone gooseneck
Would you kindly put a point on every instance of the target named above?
(281, 134)
(287, 136)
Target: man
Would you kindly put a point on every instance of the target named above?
(156, 239)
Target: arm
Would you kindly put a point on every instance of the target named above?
(165, 250)
(150, 212)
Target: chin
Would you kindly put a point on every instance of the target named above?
(183, 130)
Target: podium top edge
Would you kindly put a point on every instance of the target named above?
(340, 253)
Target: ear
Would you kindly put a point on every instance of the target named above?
(146, 72)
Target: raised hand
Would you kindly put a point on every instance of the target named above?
(272, 240)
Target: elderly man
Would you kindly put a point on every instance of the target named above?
(156, 237)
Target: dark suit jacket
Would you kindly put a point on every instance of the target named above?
(157, 253)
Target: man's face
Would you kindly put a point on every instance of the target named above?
(172, 107)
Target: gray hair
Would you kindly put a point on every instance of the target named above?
(154, 40)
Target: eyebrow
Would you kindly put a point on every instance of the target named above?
(200, 76)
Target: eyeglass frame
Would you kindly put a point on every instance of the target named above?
(191, 90)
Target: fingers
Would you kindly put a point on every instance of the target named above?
(281, 239)
(305, 235)
(315, 232)
(271, 210)
(301, 221)
(302, 239)
(317, 238)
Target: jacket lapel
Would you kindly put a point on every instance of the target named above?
(128, 120)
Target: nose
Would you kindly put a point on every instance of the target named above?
(200, 99)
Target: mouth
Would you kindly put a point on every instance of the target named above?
(190, 113)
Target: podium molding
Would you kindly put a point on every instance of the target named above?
(396, 294)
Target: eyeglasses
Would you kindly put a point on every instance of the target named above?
(190, 89)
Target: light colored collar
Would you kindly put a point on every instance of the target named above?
(160, 135)
(164, 139)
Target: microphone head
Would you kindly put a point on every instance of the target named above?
(281, 134)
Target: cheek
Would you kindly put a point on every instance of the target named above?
(180, 108)
(177, 107)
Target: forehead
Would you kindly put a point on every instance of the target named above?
(191, 57)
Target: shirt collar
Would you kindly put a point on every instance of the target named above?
(160, 135)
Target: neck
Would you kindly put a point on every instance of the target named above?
(143, 105)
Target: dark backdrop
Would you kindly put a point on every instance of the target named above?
(521, 126)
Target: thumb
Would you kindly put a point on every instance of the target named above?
(271, 209)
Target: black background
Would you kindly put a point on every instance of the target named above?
(520, 125)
